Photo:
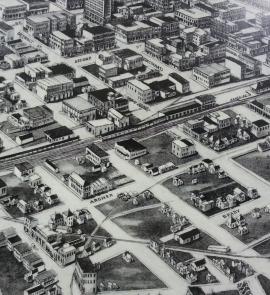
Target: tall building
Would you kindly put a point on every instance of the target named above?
(98, 11)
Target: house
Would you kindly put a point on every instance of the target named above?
(187, 236)
(57, 219)
(128, 257)
(252, 193)
(61, 133)
(183, 148)
(23, 206)
(52, 199)
(23, 170)
(97, 155)
(3, 188)
(34, 180)
(177, 181)
(198, 265)
(13, 241)
(68, 217)
(21, 250)
(260, 128)
(231, 222)
(130, 149)
(239, 195)
(38, 205)
(243, 230)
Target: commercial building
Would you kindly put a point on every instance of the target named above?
(139, 31)
(38, 116)
(139, 91)
(130, 149)
(221, 119)
(59, 134)
(104, 99)
(119, 120)
(260, 108)
(243, 67)
(12, 10)
(260, 128)
(183, 148)
(71, 4)
(168, 25)
(85, 276)
(100, 38)
(222, 28)
(214, 51)
(194, 17)
(54, 89)
(36, 6)
(38, 26)
(211, 75)
(98, 11)
(182, 85)
(97, 155)
(62, 44)
(233, 12)
(100, 127)
(128, 59)
(79, 109)
(157, 48)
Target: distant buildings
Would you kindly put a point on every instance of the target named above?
(36, 6)
(194, 17)
(71, 4)
(212, 75)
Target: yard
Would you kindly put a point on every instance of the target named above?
(24, 192)
(117, 205)
(145, 224)
(159, 151)
(38, 133)
(128, 276)
(208, 184)
(257, 162)
(202, 243)
(12, 274)
(258, 227)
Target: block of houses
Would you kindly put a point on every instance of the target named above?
(52, 199)
(183, 148)
(23, 170)
(97, 155)
(130, 149)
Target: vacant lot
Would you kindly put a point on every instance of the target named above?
(145, 224)
(11, 274)
(257, 162)
(159, 149)
(202, 243)
(128, 276)
(257, 227)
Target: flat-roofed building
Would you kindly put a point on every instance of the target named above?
(59, 134)
(71, 4)
(38, 26)
(79, 109)
(212, 75)
(128, 59)
(12, 10)
(7, 31)
(183, 148)
(182, 84)
(98, 11)
(97, 155)
(139, 91)
(194, 17)
(38, 116)
(130, 149)
(54, 89)
(36, 6)
(100, 127)
(260, 128)
(62, 44)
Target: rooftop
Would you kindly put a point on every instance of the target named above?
(60, 35)
(125, 53)
(10, 3)
(97, 150)
(211, 69)
(61, 69)
(139, 84)
(78, 103)
(2, 183)
(194, 13)
(58, 132)
(100, 122)
(183, 142)
(86, 265)
(37, 112)
(24, 166)
(97, 30)
(178, 78)
(260, 123)
(131, 145)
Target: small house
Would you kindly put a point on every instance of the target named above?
(198, 265)
(128, 257)
(243, 230)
